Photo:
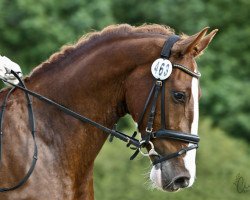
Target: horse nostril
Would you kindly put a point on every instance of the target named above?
(181, 182)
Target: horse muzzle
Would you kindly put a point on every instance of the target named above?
(170, 176)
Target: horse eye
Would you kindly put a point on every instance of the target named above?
(179, 96)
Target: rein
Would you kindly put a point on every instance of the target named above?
(32, 129)
(130, 140)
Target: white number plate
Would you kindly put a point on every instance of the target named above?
(161, 69)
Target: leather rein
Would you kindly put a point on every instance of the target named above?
(163, 133)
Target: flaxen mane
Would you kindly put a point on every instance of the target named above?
(93, 37)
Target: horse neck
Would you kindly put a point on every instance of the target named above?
(93, 85)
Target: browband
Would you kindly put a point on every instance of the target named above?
(188, 71)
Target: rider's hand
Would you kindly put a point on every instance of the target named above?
(6, 65)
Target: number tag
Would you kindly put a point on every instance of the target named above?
(161, 69)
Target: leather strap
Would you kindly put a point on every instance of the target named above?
(146, 105)
(117, 134)
(130, 140)
(32, 126)
(163, 120)
(176, 135)
(188, 71)
(1, 120)
(166, 51)
(175, 154)
(149, 128)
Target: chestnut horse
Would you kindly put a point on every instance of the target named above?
(103, 76)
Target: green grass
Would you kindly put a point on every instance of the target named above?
(220, 159)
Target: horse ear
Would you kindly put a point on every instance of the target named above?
(195, 44)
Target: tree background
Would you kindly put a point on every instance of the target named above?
(30, 31)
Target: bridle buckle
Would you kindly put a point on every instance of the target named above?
(149, 130)
(151, 152)
(153, 135)
(159, 83)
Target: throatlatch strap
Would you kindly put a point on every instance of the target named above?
(166, 51)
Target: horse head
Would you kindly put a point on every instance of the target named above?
(182, 93)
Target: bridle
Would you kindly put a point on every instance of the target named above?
(153, 96)
(163, 133)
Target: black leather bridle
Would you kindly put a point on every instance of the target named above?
(163, 133)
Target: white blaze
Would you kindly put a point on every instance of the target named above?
(155, 176)
(189, 159)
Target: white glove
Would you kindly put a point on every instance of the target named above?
(6, 65)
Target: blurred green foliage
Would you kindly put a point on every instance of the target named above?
(30, 31)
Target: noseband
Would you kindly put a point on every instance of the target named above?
(162, 72)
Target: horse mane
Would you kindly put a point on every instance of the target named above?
(97, 36)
